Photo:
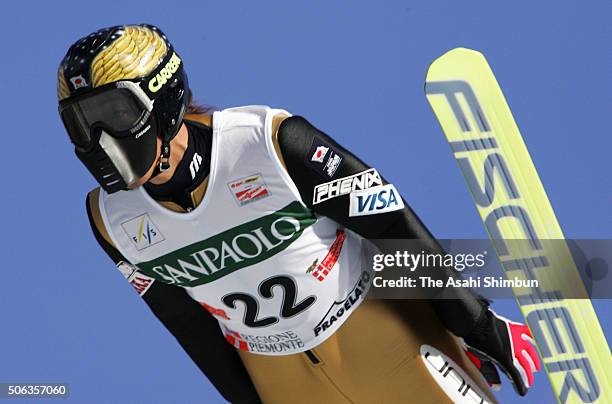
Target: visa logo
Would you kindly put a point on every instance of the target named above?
(373, 201)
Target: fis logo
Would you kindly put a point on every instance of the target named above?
(381, 199)
(344, 186)
(165, 74)
(142, 232)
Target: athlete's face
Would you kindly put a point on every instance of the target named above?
(178, 145)
(145, 178)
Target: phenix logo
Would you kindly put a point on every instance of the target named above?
(165, 74)
(142, 232)
(344, 186)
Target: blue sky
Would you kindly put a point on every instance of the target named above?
(356, 70)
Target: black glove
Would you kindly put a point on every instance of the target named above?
(486, 367)
(507, 344)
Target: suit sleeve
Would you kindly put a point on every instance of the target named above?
(307, 153)
(195, 329)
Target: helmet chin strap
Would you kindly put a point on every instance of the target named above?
(164, 159)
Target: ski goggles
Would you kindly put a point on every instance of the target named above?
(120, 109)
(113, 130)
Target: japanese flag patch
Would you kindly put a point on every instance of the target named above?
(323, 158)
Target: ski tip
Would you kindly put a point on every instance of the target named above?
(455, 57)
(460, 53)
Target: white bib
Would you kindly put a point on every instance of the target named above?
(278, 279)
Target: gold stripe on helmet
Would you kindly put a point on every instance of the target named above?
(134, 54)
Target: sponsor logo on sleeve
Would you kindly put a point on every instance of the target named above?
(140, 282)
(344, 186)
(142, 232)
(372, 201)
(248, 189)
(333, 162)
(323, 158)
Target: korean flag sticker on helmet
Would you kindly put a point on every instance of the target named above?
(373, 201)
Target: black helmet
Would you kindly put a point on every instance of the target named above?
(118, 89)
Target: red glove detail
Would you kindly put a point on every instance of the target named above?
(507, 344)
(525, 356)
(475, 359)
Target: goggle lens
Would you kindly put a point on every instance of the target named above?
(115, 109)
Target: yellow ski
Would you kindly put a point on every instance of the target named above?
(515, 210)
